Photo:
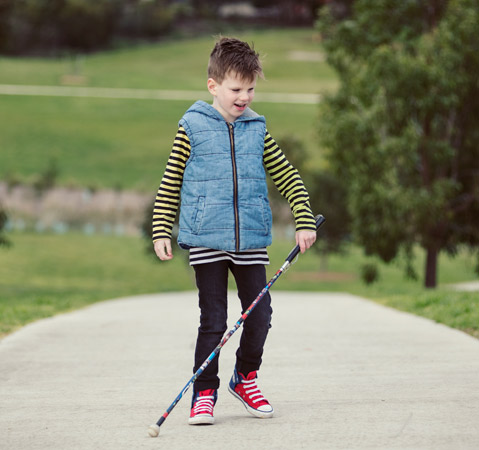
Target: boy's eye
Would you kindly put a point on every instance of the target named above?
(236, 90)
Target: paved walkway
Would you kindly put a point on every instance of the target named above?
(145, 94)
(467, 286)
(341, 372)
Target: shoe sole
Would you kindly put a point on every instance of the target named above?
(252, 411)
(201, 420)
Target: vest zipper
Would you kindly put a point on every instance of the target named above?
(235, 187)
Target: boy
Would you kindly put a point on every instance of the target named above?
(216, 167)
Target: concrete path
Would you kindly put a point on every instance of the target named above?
(146, 94)
(467, 286)
(341, 372)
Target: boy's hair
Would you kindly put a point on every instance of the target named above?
(230, 54)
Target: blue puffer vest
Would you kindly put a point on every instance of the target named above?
(224, 198)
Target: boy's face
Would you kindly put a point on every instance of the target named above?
(232, 96)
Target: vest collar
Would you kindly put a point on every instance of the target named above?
(205, 108)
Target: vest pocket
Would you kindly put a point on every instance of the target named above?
(267, 215)
(197, 217)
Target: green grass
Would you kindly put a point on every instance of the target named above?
(180, 64)
(125, 143)
(42, 275)
(456, 309)
(109, 143)
(444, 305)
(105, 143)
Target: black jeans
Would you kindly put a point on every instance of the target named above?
(212, 283)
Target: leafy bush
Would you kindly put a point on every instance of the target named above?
(49, 27)
(147, 19)
(86, 25)
(369, 273)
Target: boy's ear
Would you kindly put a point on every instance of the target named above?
(212, 84)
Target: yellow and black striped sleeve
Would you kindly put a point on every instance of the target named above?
(289, 183)
(167, 199)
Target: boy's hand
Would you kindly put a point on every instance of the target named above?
(163, 249)
(305, 239)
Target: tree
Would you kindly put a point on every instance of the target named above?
(291, 11)
(87, 25)
(78, 26)
(6, 7)
(402, 129)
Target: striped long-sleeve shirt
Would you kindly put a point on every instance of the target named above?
(285, 177)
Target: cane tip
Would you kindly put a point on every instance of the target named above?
(153, 430)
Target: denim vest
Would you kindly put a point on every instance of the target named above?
(224, 197)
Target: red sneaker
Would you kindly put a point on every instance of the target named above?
(202, 407)
(246, 390)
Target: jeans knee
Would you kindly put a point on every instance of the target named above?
(213, 323)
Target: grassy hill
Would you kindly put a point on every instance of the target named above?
(125, 143)
(182, 64)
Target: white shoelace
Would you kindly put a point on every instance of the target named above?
(252, 390)
(204, 405)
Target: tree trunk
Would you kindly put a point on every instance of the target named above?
(431, 267)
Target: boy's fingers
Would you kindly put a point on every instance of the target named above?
(163, 250)
(169, 253)
(158, 250)
(302, 244)
(305, 241)
(305, 245)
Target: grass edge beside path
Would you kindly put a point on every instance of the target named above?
(445, 305)
(72, 271)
